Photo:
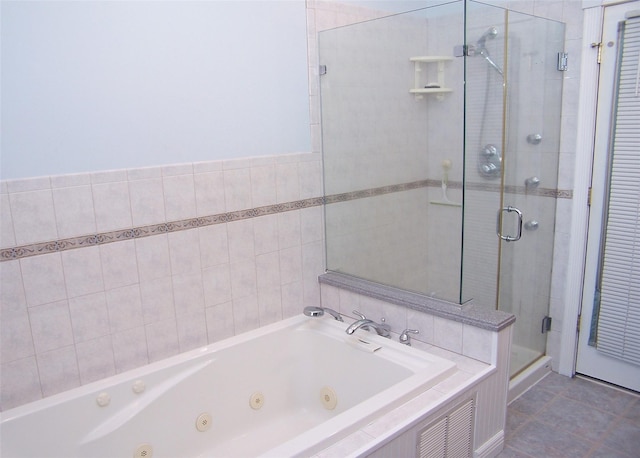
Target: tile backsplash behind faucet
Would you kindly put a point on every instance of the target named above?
(104, 272)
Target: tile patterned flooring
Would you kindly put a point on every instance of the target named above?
(564, 417)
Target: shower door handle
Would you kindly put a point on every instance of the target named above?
(509, 238)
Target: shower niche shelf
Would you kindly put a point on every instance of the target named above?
(420, 85)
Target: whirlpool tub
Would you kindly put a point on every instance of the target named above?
(288, 389)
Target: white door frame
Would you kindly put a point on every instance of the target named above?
(592, 30)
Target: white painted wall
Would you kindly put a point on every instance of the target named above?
(98, 85)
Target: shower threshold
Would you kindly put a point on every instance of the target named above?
(528, 377)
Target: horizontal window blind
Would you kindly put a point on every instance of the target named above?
(619, 320)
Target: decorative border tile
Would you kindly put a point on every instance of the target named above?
(510, 189)
(18, 252)
(487, 187)
(372, 192)
(9, 254)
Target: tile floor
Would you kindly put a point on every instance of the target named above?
(564, 417)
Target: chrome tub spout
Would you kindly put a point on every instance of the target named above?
(381, 328)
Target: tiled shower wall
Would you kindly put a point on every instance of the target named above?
(108, 271)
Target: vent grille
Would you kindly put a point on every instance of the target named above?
(432, 441)
(450, 436)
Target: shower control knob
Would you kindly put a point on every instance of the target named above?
(488, 168)
(489, 161)
(490, 151)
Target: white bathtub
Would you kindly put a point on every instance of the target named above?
(288, 389)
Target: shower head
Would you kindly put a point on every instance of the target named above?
(482, 50)
(490, 33)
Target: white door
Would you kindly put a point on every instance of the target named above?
(591, 361)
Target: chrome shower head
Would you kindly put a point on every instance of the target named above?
(314, 312)
(491, 33)
(481, 49)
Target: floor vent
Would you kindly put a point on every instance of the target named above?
(451, 436)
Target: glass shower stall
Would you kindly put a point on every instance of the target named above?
(440, 133)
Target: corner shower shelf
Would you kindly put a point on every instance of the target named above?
(419, 86)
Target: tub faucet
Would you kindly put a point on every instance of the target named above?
(405, 338)
(314, 312)
(381, 328)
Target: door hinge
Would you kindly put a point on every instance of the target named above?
(589, 197)
(599, 46)
(460, 50)
(563, 61)
(546, 324)
(322, 70)
(578, 324)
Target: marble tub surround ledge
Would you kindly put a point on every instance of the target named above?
(467, 313)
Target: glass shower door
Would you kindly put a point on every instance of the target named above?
(532, 121)
(513, 117)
